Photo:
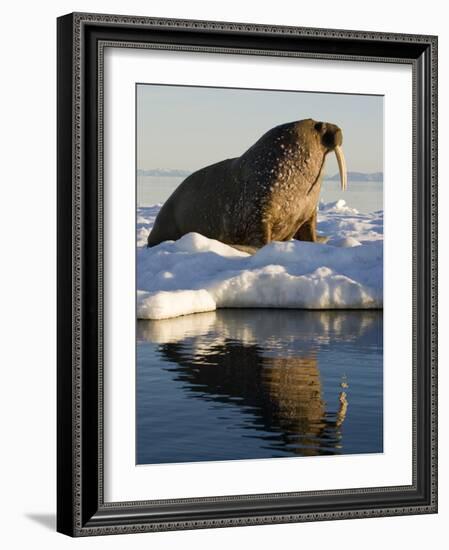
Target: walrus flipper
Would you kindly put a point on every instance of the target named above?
(307, 231)
(164, 228)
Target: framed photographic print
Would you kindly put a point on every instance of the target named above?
(246, 274)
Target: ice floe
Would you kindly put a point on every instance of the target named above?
(196, 274)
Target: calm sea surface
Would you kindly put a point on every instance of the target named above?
(242, 384)
(364, 196)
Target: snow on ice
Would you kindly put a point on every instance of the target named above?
(197, 274)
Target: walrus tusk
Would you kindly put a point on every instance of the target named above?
(341, 167)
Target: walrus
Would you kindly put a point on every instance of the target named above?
(270, 193)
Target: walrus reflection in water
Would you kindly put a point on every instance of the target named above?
(284, 393)
(270, 193)
(293, 385)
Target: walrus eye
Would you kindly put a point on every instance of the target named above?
(318, 126)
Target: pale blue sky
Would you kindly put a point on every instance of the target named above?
(190, 127)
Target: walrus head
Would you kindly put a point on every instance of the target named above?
(330, 138)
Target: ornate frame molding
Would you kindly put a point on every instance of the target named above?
(81, 42)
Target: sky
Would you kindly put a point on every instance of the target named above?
(188, 128)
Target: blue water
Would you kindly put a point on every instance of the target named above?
(364, 196)
(246, 384)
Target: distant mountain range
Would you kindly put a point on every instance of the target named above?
(358, 176)
(178, 173)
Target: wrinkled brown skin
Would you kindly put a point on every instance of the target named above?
(270, 193)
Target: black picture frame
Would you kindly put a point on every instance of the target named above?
(81, 510)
